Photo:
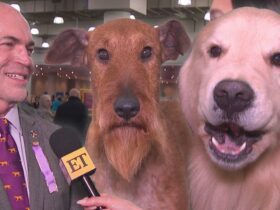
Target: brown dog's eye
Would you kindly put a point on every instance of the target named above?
(215, 51)
(146, 53)
(103, 54)
(275, 59)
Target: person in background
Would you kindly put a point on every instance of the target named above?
(56, 103)
(52, 98)
(44, 109)
(65, 97)
(73, 113)
(35, 102)
(38, 182)
(220, 7)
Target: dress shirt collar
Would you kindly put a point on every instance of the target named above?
(13, 117)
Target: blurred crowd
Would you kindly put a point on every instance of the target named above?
(64, 110)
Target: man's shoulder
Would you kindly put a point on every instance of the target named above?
(26, 108)
(30, 115)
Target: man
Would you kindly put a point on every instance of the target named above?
(220, 7)
(73, 113)
(45, 185)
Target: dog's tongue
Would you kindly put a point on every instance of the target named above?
(229, 147)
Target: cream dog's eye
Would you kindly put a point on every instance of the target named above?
(275, 59)
(215, 51)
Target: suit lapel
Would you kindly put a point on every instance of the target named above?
(35, 178)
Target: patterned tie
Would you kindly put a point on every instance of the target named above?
(11, 172)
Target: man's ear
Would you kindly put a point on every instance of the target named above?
(174, 40)
(68, 46)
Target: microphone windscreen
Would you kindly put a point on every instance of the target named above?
(64, 141)
(75, 161)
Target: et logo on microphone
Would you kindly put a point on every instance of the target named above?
(77, 163)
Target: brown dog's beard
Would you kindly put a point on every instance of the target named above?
(125, 149)
(126, 145)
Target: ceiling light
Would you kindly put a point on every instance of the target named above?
(16, 6)
(91, 28)
(155, 26)
(184, 2)
(207, 16)
(45, 45)
(132, 17)
(58, 20)
(34, 31)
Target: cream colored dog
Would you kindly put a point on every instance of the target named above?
(230, 91)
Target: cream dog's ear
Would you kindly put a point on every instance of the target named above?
(68, 46)
(174, 40)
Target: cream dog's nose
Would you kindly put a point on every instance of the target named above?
(233, 96)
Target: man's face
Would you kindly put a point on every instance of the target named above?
(220, 7)
(16, 46)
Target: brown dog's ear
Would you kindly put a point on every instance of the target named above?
(68, 46)
(174, 40)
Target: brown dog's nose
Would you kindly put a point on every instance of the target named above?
(127, 106)
(233, 96)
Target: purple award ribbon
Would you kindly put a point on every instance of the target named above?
(45, 167)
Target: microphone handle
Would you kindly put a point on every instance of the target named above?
(90, 187)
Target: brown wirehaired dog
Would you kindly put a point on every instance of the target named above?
(229, 88)
(132, 143)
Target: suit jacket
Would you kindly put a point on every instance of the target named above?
(40, 197)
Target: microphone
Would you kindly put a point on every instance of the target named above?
(75, 161)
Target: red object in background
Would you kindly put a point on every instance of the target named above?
(86, 97)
